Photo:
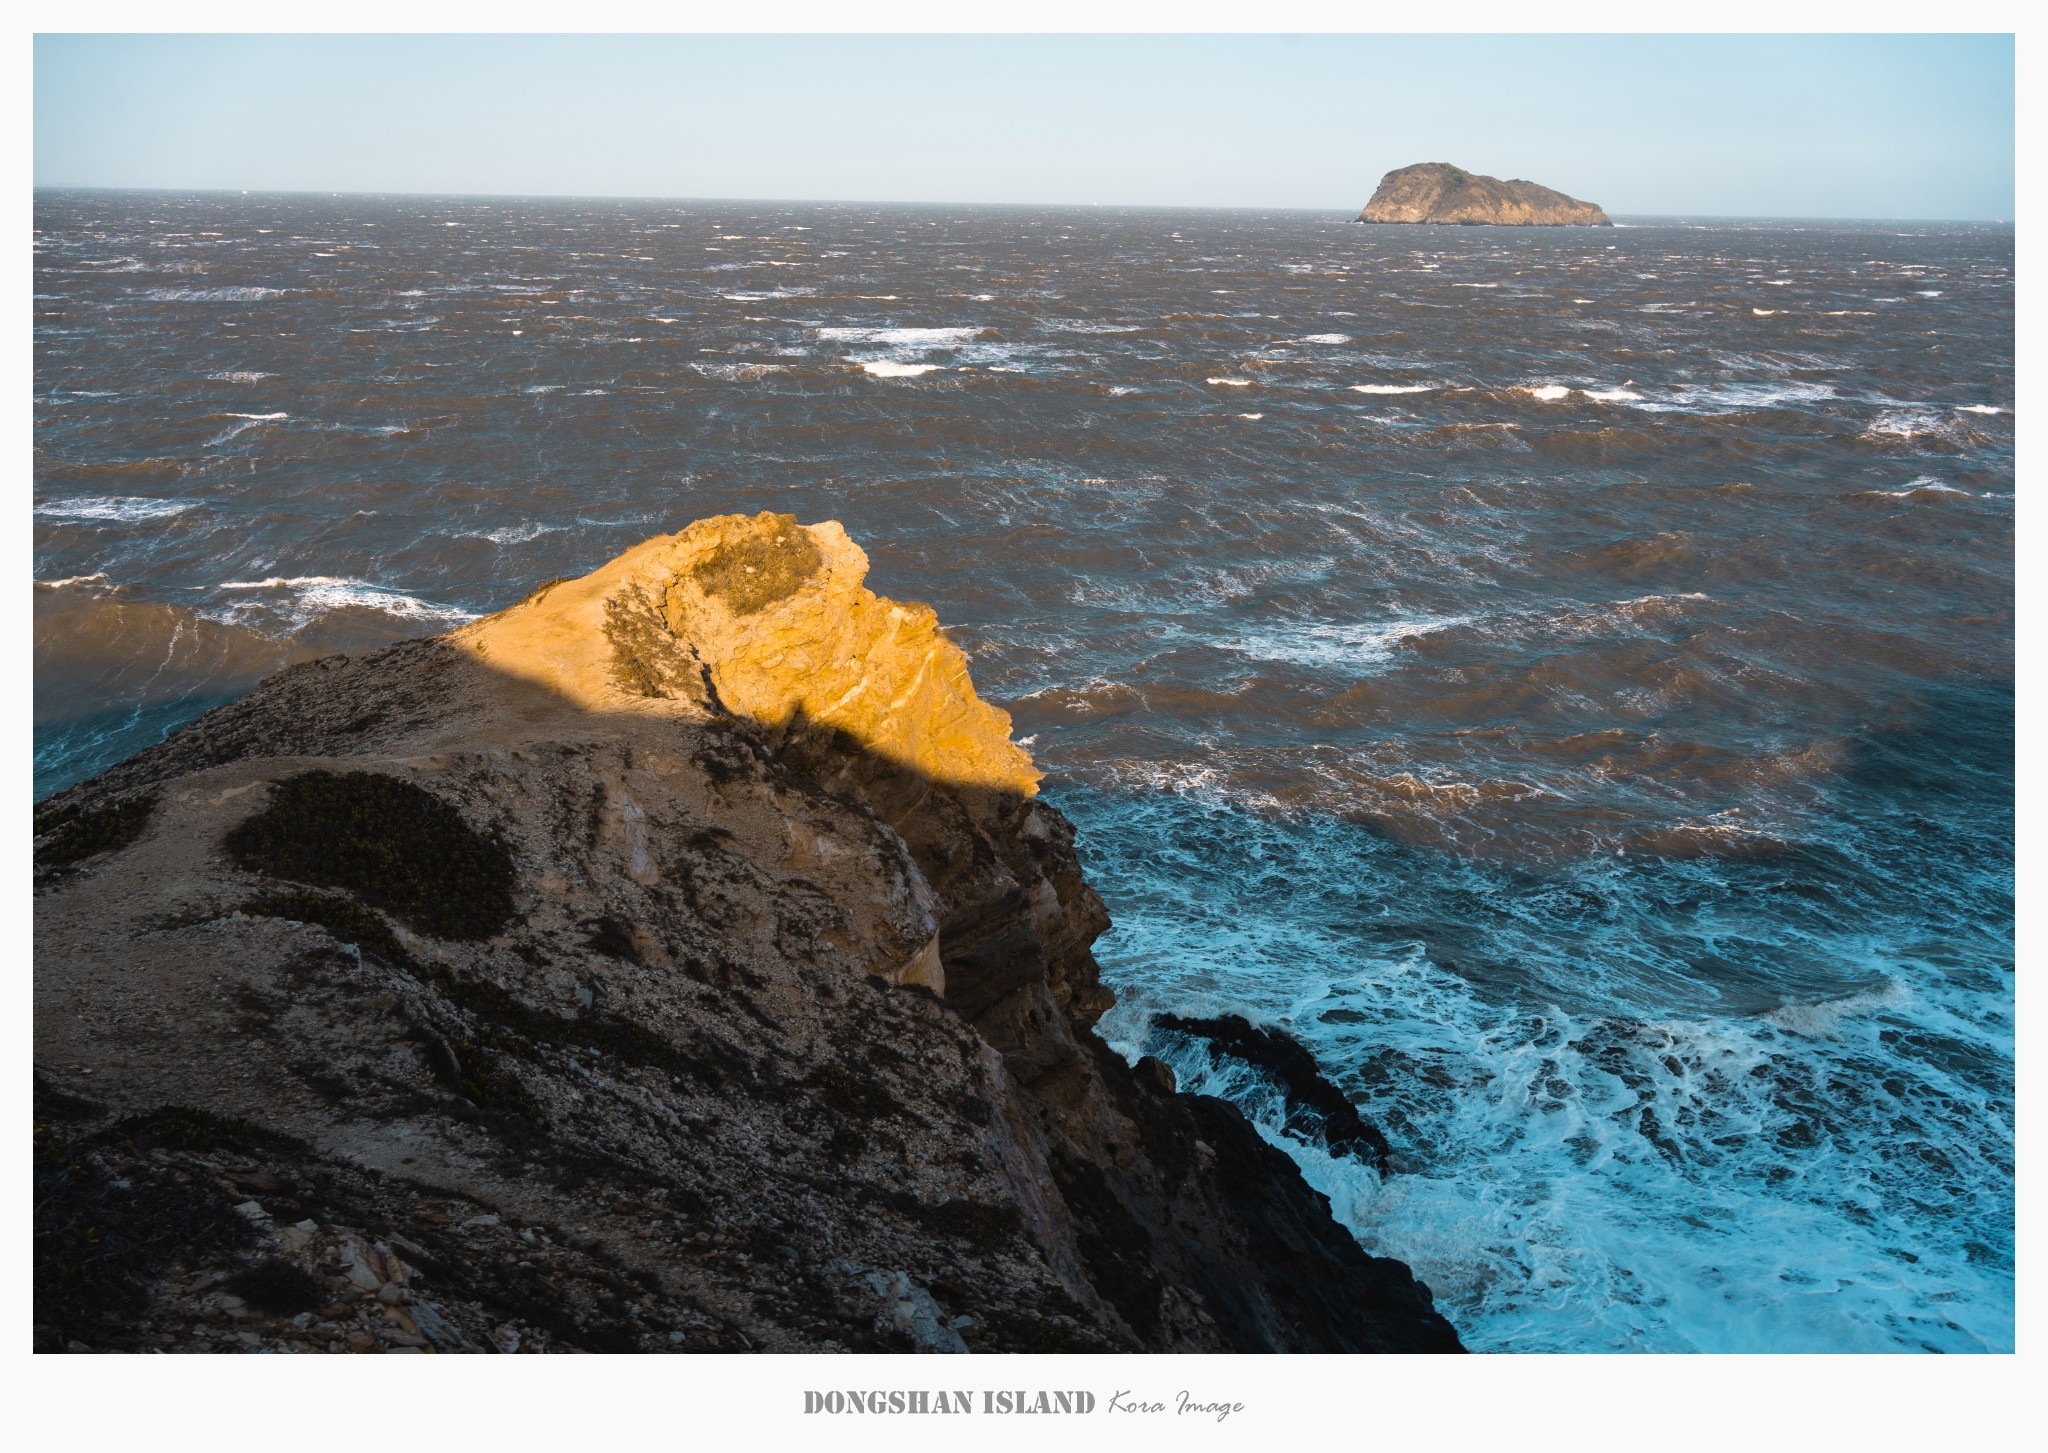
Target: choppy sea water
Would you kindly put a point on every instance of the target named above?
(1564, 677)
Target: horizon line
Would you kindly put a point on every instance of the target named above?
(39, 187)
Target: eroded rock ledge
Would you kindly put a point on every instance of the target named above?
(678, 960)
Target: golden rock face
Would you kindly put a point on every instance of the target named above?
(774, 616)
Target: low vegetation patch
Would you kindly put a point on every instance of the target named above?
(757, 570)
(398, 847)
(854, 1094)
(180, 1127)
(613, 939)
(71, 834)
(102, 1239)
(473, 1066)
(346, 919)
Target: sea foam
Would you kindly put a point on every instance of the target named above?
(121, 509)
(249, 421)
(210, 295)
(903, 337)
(303, 598)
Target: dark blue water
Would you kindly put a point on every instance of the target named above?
(1562, 676)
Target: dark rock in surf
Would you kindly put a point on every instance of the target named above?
(1437, 192)
(1316, 1109)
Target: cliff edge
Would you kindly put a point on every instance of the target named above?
(678, 960)
(1435, 191)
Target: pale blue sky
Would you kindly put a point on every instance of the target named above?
(1817, 126)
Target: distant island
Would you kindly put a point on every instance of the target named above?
(1436, 191)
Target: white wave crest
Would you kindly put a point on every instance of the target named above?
(886, 368)
(249, 421)
(735, 372)
(124, 509)
(1825, 1019)
(210, 295)
(1335, 643)
(518, 534)
(1924, 484)
(903, 337)
(1907, 424)
(1728, 398)
(1392, 388)
(1231, 382)
(307, 597)
(239, 377)
(1327, 338)
(1549, 392)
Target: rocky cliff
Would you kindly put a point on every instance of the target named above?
(678, 960)
(1435, 191)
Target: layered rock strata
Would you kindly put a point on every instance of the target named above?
(1435, 191)
(678, 960)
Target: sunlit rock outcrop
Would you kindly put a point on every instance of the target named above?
(773, 617)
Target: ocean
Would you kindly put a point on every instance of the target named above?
(1564, 677)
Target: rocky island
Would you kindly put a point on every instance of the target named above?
(679, 960)
(1437, 192)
